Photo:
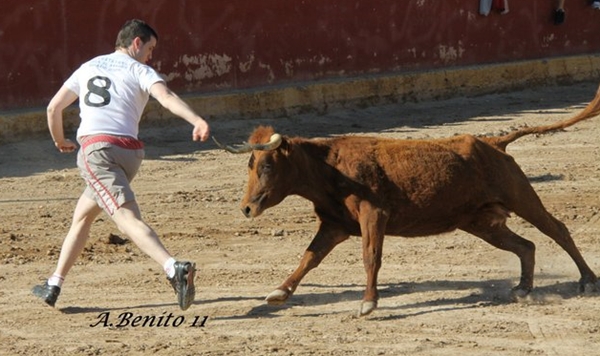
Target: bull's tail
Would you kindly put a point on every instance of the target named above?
(591, 110)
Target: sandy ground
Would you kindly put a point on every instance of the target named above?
(440, 295)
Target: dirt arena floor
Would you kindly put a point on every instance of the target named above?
(441, 295)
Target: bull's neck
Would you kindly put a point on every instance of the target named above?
(313, 178)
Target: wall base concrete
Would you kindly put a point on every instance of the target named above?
(321, 97)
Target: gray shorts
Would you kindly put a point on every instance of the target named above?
(108, 170)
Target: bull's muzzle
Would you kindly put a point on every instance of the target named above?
(247, 211)
(254, 205)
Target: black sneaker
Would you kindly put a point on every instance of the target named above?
(47, 293)
(183, 283)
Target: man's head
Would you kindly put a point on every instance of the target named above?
(138, 38)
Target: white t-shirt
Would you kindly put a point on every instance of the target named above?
(113, 91)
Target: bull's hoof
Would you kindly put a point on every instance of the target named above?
(518, 294)
(277, 297)
(366, 307)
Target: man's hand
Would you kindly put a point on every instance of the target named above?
(201, 131)
(65, 146)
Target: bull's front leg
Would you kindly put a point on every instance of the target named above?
(372, 223)
(324, 241)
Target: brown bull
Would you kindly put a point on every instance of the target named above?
(372, 187)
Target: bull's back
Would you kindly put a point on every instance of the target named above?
(426, 186)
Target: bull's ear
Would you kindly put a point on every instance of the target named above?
(285, 146)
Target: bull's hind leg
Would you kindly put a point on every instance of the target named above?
(500, 236)
(557, 231)
(526, 204)
(324, 241)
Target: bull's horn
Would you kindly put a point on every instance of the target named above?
(273, 143)
(243, 148)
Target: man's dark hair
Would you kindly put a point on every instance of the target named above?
(132, 29)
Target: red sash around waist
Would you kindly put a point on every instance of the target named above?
(121, 141)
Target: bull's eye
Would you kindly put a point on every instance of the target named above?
(265, 168)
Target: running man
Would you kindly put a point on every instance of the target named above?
(113, 90)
